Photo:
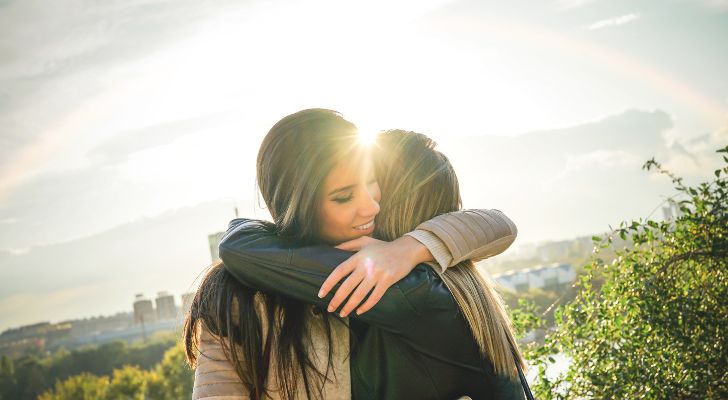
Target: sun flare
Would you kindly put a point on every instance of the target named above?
(367, 136)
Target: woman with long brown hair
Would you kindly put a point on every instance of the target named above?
(254, 348)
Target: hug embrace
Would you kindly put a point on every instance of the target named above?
(363, 286)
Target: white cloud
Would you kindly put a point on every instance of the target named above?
(599, 159)
(691, 158)
(19, 251)
(121, 145)
(567, 4)
(611, 22)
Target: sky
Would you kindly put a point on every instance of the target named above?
(130, 128)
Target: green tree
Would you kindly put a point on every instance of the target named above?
(155, 385)
(128, 383)
(542, 299)
(79, 387)
(30, 378)
(59, 366)
(99, 360)
(656, 328)
(170, 379)
(176, 376)
(7, 378)
(147, 355)
(95, 359)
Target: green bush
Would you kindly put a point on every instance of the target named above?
(170, 379)
(656, 327)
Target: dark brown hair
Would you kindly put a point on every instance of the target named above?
(256, 328)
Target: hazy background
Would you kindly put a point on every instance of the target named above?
(128, 129)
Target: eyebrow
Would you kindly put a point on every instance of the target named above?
(342, 189)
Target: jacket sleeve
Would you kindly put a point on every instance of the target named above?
(258, 257)
(466, 235)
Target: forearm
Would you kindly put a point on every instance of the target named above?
(466, 235)
(264, 261)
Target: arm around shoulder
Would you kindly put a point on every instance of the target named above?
(466, 235)
(256, 256)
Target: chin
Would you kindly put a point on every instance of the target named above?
(351, 236)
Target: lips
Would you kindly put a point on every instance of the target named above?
(366, 226)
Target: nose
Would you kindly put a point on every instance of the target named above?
(369, 206)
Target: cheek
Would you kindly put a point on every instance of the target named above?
(376, 193)
(336, 217)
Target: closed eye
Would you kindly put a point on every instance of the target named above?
(342, 200)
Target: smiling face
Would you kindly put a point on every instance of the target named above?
(349, 202)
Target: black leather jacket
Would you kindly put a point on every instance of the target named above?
(414, 344)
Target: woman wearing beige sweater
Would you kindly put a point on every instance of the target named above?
(326, 358)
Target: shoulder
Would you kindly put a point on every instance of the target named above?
(425, 289)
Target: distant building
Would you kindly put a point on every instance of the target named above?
(550, 277)
(672, 211)
(187, 302)
(27, 330)
(143, 310)
(213, 240)
(94, 325)
(166, 309)
(14, 342)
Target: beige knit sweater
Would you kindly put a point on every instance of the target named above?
(451, 238)
(216, 379)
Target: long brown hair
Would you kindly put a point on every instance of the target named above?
(419, 183)
(258, 329)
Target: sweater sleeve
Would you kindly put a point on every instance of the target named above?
(466, 235)
(215, 376)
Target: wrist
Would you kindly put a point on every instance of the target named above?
(414, 251)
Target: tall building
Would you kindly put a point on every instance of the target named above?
(187, 302)
(166, 309)
(143, 310)
(213, 240)
(671, 212)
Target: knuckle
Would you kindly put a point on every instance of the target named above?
(340, 294)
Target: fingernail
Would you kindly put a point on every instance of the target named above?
(342, 315)
(320, 294)
(330, 308)
(358, 312)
